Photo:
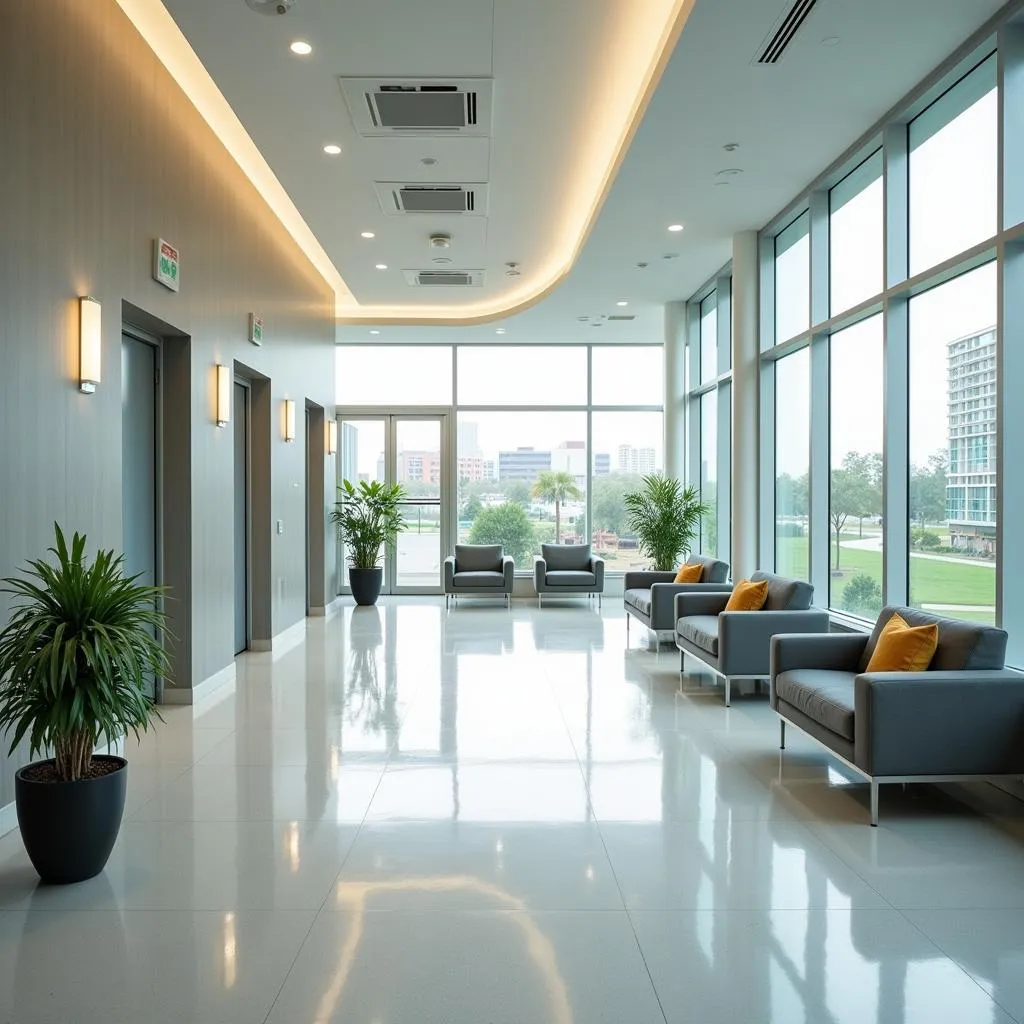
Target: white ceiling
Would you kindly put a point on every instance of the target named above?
(790, 120)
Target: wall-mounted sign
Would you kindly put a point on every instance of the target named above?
(166, 264)
(255, 329)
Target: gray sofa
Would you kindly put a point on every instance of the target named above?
(962, 718)
(737, 645)
(649, 595)
(567, 569)
(478, 570)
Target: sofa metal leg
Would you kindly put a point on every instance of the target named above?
(682, 661)
(599, 601)
(874, 804)
(446, 602)
(728, 690)
(782, 734)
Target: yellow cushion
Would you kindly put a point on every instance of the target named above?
(689, 573)
(903, 648)
(748, 596)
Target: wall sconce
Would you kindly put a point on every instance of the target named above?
(90, 343)
(289, 420)
(332, 437)
(223, 395)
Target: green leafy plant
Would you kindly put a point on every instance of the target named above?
(509, 526)
(863, 596)
(75, 654)
(368, 517)
(557, 486)
(665, 516)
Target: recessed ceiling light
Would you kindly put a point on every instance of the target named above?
(375, 332)
(381, 266)
(367, 234)
(331, 149)
(675, 227)
(500, 330)
(621, 303)
(301, 47)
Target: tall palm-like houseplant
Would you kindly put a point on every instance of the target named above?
(368, 518)
(665, 516)
(82, 639)
(557, 486)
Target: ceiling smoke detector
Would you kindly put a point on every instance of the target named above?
(440, 241)
(273, 7)
(513, 270)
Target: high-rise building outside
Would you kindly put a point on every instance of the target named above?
(636, 460)
(971, 483)
(523, 464)
(571, 457)
(602, 464)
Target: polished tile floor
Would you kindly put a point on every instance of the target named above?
(513, 817)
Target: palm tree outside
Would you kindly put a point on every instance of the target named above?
(557, 486)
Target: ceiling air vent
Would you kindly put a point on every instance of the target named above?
(398, 197)
(419, 106)
(444, 278)
(622, 316)
(777, 41)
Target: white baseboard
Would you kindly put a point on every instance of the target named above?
(193, 694)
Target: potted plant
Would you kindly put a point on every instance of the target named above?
(368, 518)
(665, 516)
(73, 660)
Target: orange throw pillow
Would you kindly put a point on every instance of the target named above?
(689, 573)
(748, 596)
(904, 648)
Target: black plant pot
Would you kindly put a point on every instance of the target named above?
(365, 584)
(69, 828)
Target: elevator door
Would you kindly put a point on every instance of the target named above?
(138, 464)
(241, 428)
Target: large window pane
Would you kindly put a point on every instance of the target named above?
(953, 447)
(391, 375)
(628, 375)
(709, 471)
(522, 375)
(627, 445)
(855, 494)
(855, 236)
(792, 462)
(953, 161)
(792, 279)
(522, 480)
(709, 338)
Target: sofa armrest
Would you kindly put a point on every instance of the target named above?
(745, 638)
(642, 579)
(939, 723)
(702, 602)
(663, 600)
(508, 571)
(540, 571)
(449, 574)
(833, 651)
(597, 568)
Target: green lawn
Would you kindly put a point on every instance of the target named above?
(931, 581)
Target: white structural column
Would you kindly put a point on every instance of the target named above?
(745, 404)
(675, 383)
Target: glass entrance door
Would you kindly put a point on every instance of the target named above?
(410, 449)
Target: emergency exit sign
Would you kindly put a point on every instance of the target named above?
(167, 265)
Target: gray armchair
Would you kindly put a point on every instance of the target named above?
(737, 645)
(962, 718)
(478, 570)
(650, 595)
(568, 569)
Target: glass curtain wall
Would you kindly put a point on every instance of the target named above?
(884, 365)
(547, 438)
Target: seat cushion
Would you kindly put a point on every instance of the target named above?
(638, 599)
(477, 558)
(570, 578)
(479, 579)
(825, 696)
(701, 631)
(785, 594)
(566, 557)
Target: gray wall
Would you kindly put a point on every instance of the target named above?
(100, 153)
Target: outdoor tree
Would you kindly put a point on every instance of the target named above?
(557, 486)
(856, 491)
(472, 508)
(863, 596)
(516, 491)
(928, 489)
(791, 495)
(507, 525)
(607, 498)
